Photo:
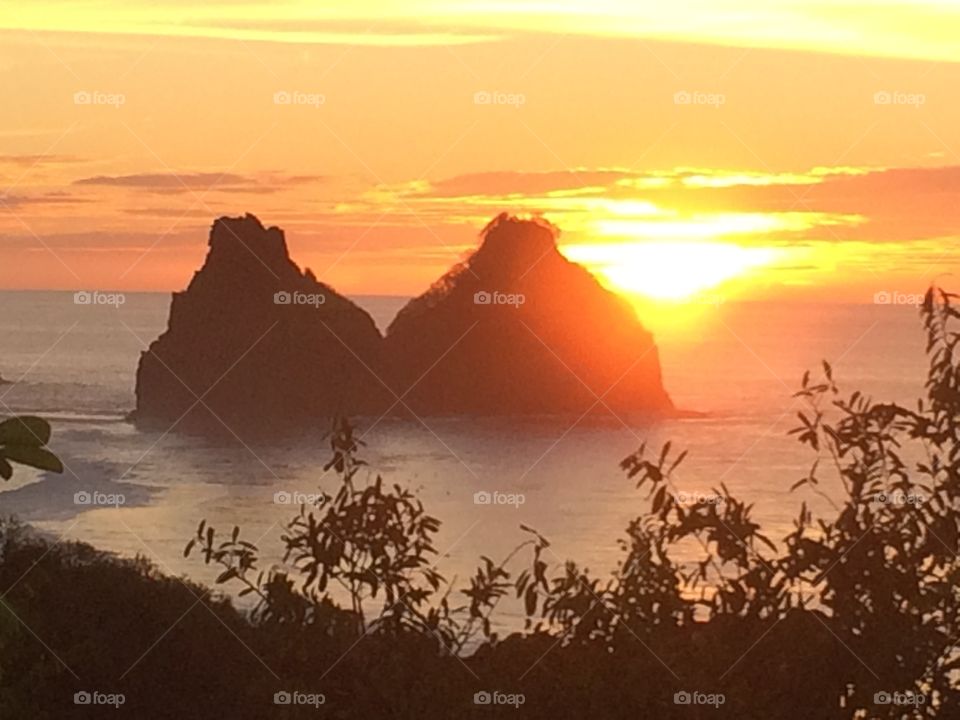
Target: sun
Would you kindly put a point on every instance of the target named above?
(669, 270)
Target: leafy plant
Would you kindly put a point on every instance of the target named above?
(23, 440)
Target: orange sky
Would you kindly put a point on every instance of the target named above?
(814, 144)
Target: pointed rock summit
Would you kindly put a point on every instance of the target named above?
(254, 342)
(518, 328)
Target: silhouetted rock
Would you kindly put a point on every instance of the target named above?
(262, 344)
(256, 343)
(517, 328)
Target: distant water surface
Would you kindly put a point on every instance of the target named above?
(739, 363)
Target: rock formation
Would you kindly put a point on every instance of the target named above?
(262, 344)
(517, 328)
(255, 343)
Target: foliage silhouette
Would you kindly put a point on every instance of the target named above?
(23, 440)
(866, 599)
(850, 609)
(374, 544)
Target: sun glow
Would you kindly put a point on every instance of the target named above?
(705, 226)
(668, 270)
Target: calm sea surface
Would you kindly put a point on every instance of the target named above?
(738, 363)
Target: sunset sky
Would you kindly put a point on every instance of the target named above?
(758, 148)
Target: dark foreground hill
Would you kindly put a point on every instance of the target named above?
(86, 635)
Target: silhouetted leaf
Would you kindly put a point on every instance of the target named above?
(26, 430)
(34, 456)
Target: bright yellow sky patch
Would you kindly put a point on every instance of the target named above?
(670, 271)
(924, 29)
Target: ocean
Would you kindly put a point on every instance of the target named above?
(736, 363)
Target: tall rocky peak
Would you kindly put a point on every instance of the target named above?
(518, 328)
(256, 343)
(245, 242)
(510, 246)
